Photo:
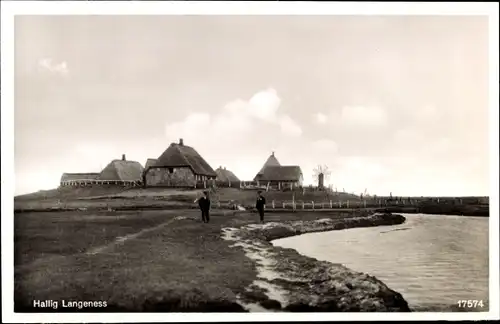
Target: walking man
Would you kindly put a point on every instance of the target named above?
(261, 203)
(204, 203)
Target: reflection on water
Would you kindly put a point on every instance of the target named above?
(432, 260)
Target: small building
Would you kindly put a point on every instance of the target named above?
(280, 177)
(149, 163)
(271, 161)
(179, 166)
(78, 179)
(122, 172)
(226, 177)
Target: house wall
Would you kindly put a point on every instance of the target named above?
(281, 184)
(179, 177)
(203, 178)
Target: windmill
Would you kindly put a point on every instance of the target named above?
(320, 174)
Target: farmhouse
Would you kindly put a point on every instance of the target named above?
(149, 163)
(226, 176)
(74, 179)
(179, 166)
(271, 161)
(122, 172)
(282, 176)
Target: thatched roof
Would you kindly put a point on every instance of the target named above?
(225, 175)
(150, 163)
(271, 161)
(79, 176)
(122, 170)
(281, 173)
(177, 155)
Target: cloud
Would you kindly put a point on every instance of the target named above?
(320, 118)
(46, 64)
(264, 105)
(237, 120)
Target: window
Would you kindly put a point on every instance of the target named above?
(170, 170)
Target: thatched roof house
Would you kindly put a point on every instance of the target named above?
(284, 173)
(271, 161)
(149, 163)
(179, 166)
(224, 175)
(70, 178)
(275, 174)
(122, 170)
(180, 155)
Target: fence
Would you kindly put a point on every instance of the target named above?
(85, 183)
(347, 204)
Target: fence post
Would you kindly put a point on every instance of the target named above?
(364, 203)
(303, 205)
(323, 205)
(218, 204)
(283, 205)
(340, 203)
(312, 204)
(347, 204)
(331, 204)
(273, 204)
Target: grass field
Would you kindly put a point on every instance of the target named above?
(170, 268)
(135, 261)
(116, 198)
(112, 197)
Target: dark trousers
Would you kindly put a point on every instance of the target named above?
(261, 214)
(205, 216)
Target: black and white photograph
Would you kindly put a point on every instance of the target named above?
(250, 161)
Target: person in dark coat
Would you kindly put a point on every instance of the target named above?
(204, 203)
(261, 203)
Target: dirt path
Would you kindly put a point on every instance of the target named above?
(122, 239)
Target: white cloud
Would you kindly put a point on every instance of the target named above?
(321, 118)
(363, 116)
(236, 122)
(46, 64)
(289, 126)
(264, 105)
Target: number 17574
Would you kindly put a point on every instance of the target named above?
(470, 303)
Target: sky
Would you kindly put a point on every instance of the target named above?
(390, 104)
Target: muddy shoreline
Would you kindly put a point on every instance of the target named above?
(291, 282)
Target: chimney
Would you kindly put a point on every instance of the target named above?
(181, 142)
(123, 157)
(272, 153)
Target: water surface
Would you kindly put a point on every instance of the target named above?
(432, 260)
